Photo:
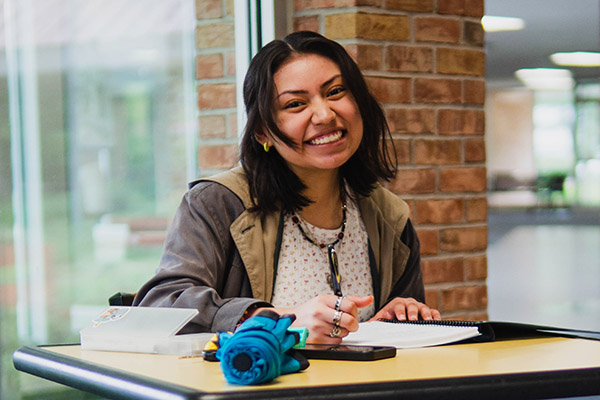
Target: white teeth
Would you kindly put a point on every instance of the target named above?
(327, 139)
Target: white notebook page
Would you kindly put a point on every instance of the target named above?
(399, 335)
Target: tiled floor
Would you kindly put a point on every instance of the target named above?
(544, 267)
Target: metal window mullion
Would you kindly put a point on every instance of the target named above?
(28, 227)
(254, 27)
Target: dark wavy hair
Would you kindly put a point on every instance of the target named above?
(272, 183)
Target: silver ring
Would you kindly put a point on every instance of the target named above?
(337, 316)
(335, 332)
(338, 303)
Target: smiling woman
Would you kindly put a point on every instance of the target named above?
(304, 227)
(300, 57)
(314, 109)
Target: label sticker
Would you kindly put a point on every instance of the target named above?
(112, 314)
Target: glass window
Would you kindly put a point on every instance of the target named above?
(587, 140)
(97, 144)
(553, 120)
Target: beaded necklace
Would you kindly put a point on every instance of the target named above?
(335, 280)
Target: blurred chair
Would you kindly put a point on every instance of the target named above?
(121, 299)
(549, 188)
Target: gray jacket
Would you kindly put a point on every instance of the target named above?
(221, 259)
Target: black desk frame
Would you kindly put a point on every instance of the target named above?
(107, 382)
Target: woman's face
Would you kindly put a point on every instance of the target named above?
(317, 112)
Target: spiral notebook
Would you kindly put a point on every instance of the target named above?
(412, 334)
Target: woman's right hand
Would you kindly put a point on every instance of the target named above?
(318, 313)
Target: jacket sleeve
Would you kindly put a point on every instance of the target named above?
(200, 267)
(411, 282)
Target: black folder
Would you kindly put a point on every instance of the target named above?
(499, 330)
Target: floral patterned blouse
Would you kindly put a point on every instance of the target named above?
(303, 271)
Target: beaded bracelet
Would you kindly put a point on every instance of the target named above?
(247, 313)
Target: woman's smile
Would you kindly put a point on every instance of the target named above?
(314, 108)
(327, 138)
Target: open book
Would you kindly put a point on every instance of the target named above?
(410, 334)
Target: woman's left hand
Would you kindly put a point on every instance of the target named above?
(403, 309)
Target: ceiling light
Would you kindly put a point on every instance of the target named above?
(497, 24)
(546, 78)
(577, 59)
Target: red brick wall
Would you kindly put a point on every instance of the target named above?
(215, 82)
(424, 61)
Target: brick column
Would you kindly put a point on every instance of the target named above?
(215, 80)
(425, 63)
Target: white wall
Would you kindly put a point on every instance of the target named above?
(509, 132)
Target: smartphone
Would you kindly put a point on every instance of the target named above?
(345, 352)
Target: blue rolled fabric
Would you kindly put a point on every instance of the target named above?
(260, 350)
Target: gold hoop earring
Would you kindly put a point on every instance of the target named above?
(266, 147)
